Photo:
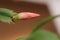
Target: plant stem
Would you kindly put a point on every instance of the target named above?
(42, 23)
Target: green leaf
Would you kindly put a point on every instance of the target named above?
(6, 19)
(43, 35)
(6, 15)
(22, 38)
(7, 12)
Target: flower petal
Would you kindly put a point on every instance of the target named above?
(27, 15)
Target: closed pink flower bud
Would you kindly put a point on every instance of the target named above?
(27, 15)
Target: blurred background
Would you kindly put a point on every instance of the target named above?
(23, 27)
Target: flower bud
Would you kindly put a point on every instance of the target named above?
(27, 15)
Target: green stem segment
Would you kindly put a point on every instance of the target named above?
(16, 16)
(42, 23)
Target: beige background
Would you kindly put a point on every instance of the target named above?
(23, 27)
